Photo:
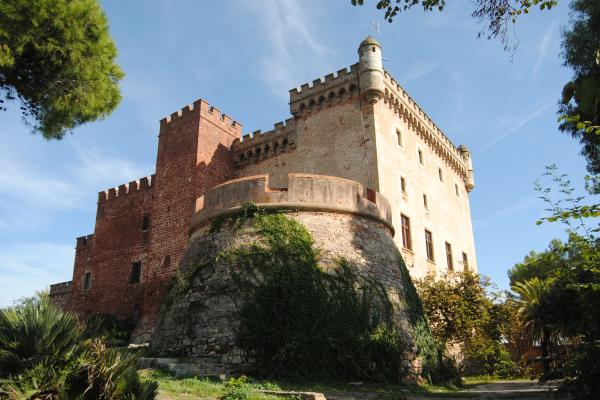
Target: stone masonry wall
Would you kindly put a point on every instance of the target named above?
(202, 324)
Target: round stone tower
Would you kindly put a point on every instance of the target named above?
(200, 318)
(371, 70)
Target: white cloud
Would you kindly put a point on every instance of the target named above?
(419, 70)
(543, 48)
(294, 49)
(41, 263)
(515, 127)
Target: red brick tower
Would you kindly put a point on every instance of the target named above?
(193, 156)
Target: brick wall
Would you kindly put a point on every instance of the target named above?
(193, 156)
(118, 241)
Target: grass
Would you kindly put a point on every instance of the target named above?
(181, 388)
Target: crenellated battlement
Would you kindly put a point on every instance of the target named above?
(406, 108)
(84, 241)
(144, 183)
(301, 192)
(207, 111)
(260, 145)
(60, 288)
(323, 92)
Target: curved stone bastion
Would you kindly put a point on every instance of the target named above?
(199, 319)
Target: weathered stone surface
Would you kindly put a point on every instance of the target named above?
(202, 321)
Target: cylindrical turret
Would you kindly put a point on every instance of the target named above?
(466, 155)
(371, 70)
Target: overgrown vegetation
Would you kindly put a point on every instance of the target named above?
(559, 292)
(44, 355)
(465, 313)
(301, 321)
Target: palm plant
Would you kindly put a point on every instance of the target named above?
(44, 355)
(533, 314)
(39, 349)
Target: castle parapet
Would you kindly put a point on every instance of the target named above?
(325, 91)
(145, 183)
(400, 101)
(304, 192)
(203, 108)
(259, 145)
(84, 241)
(61, 288)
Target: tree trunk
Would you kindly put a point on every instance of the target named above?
(545, 344)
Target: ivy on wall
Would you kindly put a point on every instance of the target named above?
(299, 320)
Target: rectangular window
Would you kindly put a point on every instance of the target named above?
(136, 272)
(456, 189)
(429, 245)
(449, 257)
(420, 157)
(399, 136)
(441, 175)
(87, 281)
(403, 184)
(145, 223)
(425, 201)
(406, 239)
(465, 262)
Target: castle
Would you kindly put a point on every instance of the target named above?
(357, 146)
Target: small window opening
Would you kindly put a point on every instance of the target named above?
(406, 239)
(449, 259)
(403, 184)
(441, 175)
(145, 222)
(456, 189)
(167, 261)
(425, 201)
(137, 312)
(429, 245)
(373, 49)
(87, 281)
(465, 261)
(400, 139)
(420, 157)
(136, 272)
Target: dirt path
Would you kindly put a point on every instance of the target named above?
(527, 390)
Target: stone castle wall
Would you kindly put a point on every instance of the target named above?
(202, 322)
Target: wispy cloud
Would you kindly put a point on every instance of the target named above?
(293, 45)
(33, 195)
(498, 138)
(543, 47)
(42, 263)
(519, 205)
(419, 70)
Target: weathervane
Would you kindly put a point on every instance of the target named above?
(375, 27)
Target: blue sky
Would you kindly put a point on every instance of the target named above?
(243, 57)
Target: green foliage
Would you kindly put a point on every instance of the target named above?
(302, 321)
(57, 58)
(39, 349)
(43, 355)
(461, 311)
(237, 389)
(580, 105)
(538, 265)
(495, 13)
(114, 332)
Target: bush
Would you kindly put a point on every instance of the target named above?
(43, 355)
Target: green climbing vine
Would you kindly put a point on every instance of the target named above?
(302, 321)
(437, 367)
